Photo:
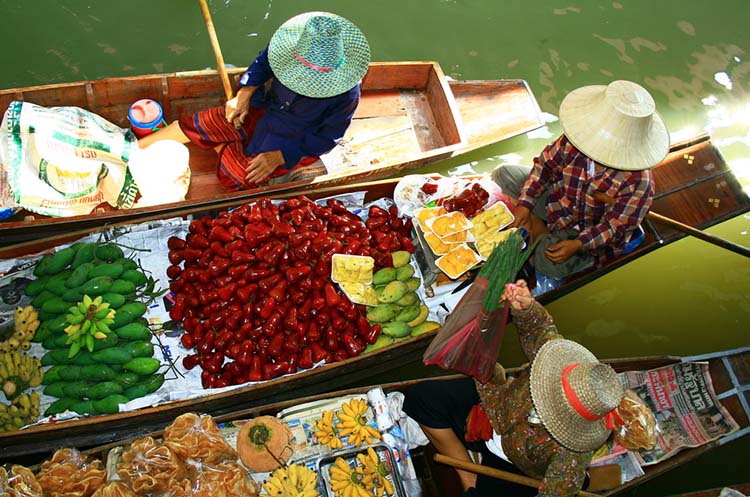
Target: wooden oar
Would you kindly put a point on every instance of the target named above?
(687, 229)
(496, 473)
(217, 50)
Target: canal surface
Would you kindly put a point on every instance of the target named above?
(688, 298)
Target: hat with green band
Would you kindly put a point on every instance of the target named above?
(318, 54)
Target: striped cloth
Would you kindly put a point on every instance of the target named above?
(210, 129)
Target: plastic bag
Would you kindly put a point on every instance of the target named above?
(20, 482)
(470, 339)
(71, 474)
(64, 161)
(149, 467)
(638, 429)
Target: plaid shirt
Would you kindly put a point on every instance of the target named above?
(573, 178)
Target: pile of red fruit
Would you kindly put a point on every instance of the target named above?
(252, 287)
(469, 201)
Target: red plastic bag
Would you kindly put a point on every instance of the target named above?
(470, 339)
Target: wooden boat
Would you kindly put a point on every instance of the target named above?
(729, 372)
(683, 194)
(409, 115)
(742, 488)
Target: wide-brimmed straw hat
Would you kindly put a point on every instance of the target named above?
(574, 394)
(615, 125)
(318, 54)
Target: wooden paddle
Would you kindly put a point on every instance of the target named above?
(525, 480)
(217, 50)
(687, 229)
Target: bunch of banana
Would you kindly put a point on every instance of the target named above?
(292, 481)
(26, 321)
(22, 411)
(88, 320)
(374, 473)
(352, 422)
(19, 371)
(326, 432)
(347, 482)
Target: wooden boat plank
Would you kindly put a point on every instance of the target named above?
(486, 110)
(379, 103)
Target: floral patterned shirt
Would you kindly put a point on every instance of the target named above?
(526, 442)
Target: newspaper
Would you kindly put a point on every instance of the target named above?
(688, 413)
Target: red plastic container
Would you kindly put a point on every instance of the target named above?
(146, 116)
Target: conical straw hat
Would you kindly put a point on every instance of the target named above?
(593, 385)
(615, 125)
(319, 54)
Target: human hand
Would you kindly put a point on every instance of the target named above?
(236, 109)
(262, 165)
(562, 251)
(522, 217)
(518, 295)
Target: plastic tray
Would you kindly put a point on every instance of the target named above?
(350, 456)
(462, 249)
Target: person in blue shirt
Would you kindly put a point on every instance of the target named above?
(294, 103)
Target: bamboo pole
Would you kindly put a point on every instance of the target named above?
(685, 228)
(497, 473)
(217, 50)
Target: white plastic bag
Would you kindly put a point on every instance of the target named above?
(162, 172)
(64, 161)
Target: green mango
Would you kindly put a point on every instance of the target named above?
(408, 313)
(408, 299)
(382, 312)
(384, 276)
(382, 341)
(396, 329)
(404, 272)
(400, 258)
(393, 291)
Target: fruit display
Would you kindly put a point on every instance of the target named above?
(375, 473)
(90, 302)
(294, 480)
(369, 472)
(468, 201)
(352, 423)
(253, 289)
(400, 311)
(326, 431)
(19, 336)
(492, 219)
(23, 410)
(457, 261)
(19, 371)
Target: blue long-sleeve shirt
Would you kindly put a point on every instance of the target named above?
(296, 125)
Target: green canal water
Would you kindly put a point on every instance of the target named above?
(687, 298)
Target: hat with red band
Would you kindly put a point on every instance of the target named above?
(319, 54)
(574, 394)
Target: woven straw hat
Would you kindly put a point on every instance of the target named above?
(575, 419)
(319, 55)
(615, 125)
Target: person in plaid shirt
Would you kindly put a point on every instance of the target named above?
(589, 190)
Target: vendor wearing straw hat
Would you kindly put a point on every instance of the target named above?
(612, 135)
(294, 104)
(547, 421)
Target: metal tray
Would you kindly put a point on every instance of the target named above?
(350, 456)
